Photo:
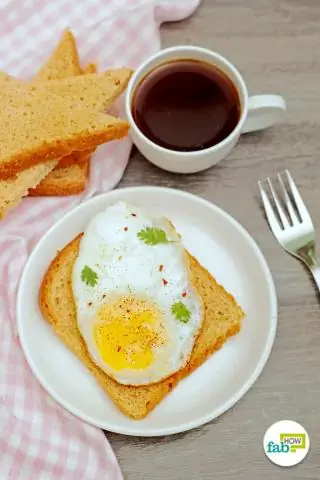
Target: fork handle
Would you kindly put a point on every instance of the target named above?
(316, 275)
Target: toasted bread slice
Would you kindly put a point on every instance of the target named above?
(70, 176)
(52, 119)
(67, 180)
(222, 320)
(14, 189)
(63, 62)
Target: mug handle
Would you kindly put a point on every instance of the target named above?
(263, 112)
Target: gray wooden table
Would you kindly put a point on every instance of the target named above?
(276, 45)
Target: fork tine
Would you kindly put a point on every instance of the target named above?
(288, 201)
(272, 219)
(279, 207)
(303, 212)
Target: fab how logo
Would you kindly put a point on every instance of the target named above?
(286, 443)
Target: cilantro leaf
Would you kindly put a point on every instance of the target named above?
(89, 276)
(181, 312)
(152, 236)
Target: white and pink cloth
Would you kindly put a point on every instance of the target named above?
(38, 439)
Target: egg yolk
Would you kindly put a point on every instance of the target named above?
(127, 332)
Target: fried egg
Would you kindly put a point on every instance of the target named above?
(137, 309)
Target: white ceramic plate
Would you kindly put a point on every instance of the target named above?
(223, 246)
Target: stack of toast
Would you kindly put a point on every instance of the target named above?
(54, 123)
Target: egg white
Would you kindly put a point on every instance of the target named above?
(127, 268)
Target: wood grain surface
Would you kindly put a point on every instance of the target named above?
(275, 44)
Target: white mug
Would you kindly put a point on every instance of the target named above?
(257, 112)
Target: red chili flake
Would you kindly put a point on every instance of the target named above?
(164, 281)
(133, 214)
(184, 294)
(160, 268)
(125, 229)
(118, 349)
(89, 304)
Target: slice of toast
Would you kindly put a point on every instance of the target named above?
(67, 180)
(14, 189)
(222, 319)
(70, 176)
(62, 63)
(52, 119)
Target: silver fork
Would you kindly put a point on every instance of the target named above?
(290, 221)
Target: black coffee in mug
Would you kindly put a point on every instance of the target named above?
(186, 105)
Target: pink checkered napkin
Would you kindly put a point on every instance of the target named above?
(38, 439)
